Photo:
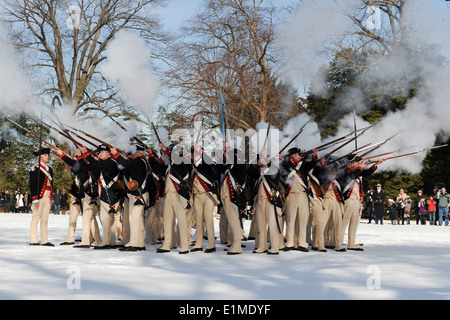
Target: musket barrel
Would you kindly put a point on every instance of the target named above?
(33, 134)
(156, 132)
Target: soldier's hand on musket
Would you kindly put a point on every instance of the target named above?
(322, 161)
(113, 150)
(315, 151)
(78, 152)
(83, 148)
(363, 165)
(58, 152)
(162, 146)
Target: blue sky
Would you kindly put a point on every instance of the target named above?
(178, 11)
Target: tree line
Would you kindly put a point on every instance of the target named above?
(228, 45)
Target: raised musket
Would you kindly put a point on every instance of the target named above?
(379, 144)
(295, 137)
(335, 141)
(33, 134)
(156, 133)
(96, 139)
(407, 154)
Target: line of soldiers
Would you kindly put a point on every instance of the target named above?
(296, 199)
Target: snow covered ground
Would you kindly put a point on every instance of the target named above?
(399, 262)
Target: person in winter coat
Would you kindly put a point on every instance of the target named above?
(431, 210)
(407, 215)
(379, 197)
(401, 198)
(392, 211)
(444, 204)
(421, 207)
(368, 201)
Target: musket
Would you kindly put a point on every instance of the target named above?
(66, 134)
(267, 137)
(408, 154)
(379, 144)
(96, 139)
(33, 134)
(328, 144)
(354, 125)
(125, 129)
(295, 137)
(384, 154)
(199, 132)
(82, 138)
(377, 156)
(352, 139)
(156, 132)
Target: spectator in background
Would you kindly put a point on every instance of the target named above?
(19, 201)
(444, 203)
(368, 201)
(436, 199)
(421, 207)
(407, 210)
(400, 201)
(431, 210)
(57, 201)
(64, 199)
(2, 199)
(378, 202)
(27, 201)
(392, 211)
(7, 201)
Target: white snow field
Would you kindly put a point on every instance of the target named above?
(399, 262)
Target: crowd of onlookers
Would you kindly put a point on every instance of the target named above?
(433, 208)
(20, 202)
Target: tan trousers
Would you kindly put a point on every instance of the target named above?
(297, 214)
(125, 222)
(136, 219)
(318, 223)
(333, 216)
(190, 223)
(224, 228)
(173, 208)
(107, 220)
(40, 215)
(203, 209)
(74, 212)
(90, 224)
(231, 212)
(152, 222)
(267, 221)
(351, 220)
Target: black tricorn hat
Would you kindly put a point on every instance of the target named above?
(43, 151)
(354, 158)
(140, 147)
(102, 147)
(294, 150)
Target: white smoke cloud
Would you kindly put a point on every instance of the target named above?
(16, 93)
(128, 64)
(426, 115)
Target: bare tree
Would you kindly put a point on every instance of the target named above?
(229, 45)
(377, 22)
(69, 39)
